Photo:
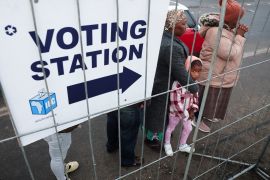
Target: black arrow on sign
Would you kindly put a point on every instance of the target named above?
(102, 85)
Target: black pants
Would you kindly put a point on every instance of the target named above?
(129, 126)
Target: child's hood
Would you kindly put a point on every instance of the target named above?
(189, 60)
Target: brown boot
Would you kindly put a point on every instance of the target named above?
(203, 127)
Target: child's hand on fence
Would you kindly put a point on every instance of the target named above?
(191, 113)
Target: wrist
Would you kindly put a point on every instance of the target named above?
(241, 34)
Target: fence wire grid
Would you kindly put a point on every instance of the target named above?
(236, 147)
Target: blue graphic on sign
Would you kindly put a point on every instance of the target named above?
(10, 30)
(40, 104)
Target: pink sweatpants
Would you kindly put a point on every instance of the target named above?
(187, 128)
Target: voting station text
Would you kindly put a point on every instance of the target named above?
(105, 33)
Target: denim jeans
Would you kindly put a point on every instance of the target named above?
(129, 126)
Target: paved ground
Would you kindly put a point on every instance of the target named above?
(250, 94)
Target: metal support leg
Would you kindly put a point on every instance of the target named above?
(262, 173)
(222, 159)
(242, 172)
(256, 167)
(259, 170)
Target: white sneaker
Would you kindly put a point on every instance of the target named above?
(168, 149)
(71, 166)
(185, 148)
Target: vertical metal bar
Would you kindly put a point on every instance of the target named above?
(223, 77)
(168, 88)
(198, 13)
(238, 74)
(220, 89)
(191, 53)
(45, 79)
(264, 28)
(268, 49)
(145, 85)
(18, 139)
(176, 156)
(266, 20)
(118, 88)
(251, 24)
(213, 61)
(263, 152)
(260, 157)
(86, 90)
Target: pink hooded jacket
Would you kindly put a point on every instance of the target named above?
(234, 57)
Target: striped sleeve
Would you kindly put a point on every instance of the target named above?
(195, 104)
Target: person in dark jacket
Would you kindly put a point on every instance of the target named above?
(173, 57)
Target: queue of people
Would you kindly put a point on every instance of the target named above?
(171, 73)
(157, 110)
(178, 72)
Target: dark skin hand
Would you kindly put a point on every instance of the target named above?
(191, 113)
(242, 29)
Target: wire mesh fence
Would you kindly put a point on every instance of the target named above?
(236, 147)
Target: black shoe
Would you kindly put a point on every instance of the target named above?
(111, 148)
(137, 162)
(154, 144)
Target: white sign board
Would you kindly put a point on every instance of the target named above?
(58, 31)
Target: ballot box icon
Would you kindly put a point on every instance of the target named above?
(41, 105)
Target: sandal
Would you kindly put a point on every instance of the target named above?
(71, 166)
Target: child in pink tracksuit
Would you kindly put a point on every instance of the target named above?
(183, 104)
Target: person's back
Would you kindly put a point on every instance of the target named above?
(188, 38)
(228, 58)
(179, 52)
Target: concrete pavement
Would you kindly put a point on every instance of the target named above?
(250, 94)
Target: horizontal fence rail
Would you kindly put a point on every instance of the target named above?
(223, 142)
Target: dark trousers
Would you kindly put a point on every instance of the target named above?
(129, 126)
(201, 91)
